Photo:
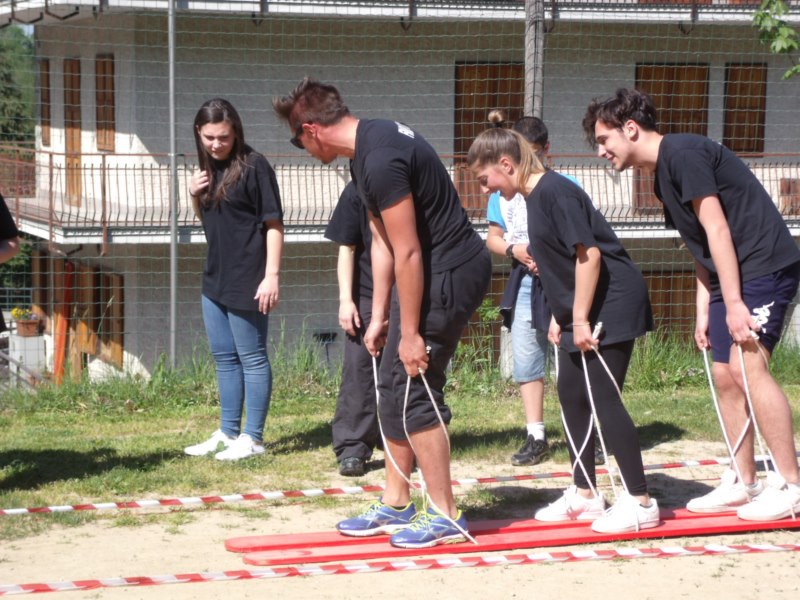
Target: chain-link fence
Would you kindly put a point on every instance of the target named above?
(87, 170)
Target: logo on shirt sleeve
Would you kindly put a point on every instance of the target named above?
(405, 130)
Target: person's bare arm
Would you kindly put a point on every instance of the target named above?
(9, 248)
(268, 293)
(703, 295)
(382, 280)
(587, 272)
(720, 243)
(348, 311)
(399, 222)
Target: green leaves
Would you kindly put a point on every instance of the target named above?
(777, 33)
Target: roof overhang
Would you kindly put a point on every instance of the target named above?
(31, 12)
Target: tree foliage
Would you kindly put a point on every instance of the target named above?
(776, 33)
(16, 125)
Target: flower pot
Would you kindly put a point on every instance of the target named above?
(28, 327)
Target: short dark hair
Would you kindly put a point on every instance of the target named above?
(628, 104)
(532, 129)
(311, 102)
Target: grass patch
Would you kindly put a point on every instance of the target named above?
(123, 439)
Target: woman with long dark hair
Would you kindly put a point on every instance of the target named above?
(235, 195)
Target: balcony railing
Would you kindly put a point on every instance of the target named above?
(105, 193)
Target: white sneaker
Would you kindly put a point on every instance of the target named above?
(572, 507)
(210, 445)
(628, 515)
(242, 447)
(727, 497)
(777, 501)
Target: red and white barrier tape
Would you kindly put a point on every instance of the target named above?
(312, 493)
(488, 560)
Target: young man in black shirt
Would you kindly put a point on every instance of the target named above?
(422, 242)
(355, 422)
(748, 267)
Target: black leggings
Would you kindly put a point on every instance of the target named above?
(619, 432)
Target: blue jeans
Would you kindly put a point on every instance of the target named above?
(528, 345)
(238, 342)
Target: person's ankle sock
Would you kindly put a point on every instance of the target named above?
(536, 430)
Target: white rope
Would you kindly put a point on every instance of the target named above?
(577, 462)
(426, 499)
(593, 422)
(732, 449)
(595, 335)
(756, 428)
(380, 425)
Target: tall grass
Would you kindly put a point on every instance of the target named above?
(664, 361)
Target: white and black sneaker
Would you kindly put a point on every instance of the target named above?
(533, 452)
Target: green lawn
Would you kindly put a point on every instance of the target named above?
(123, 441)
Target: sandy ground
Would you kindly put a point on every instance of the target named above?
(102, 550)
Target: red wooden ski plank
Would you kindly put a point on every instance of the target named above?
(566, 534)
(321, 539)
(260, 543)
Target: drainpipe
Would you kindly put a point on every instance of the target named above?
(534, 57)
(173, 193)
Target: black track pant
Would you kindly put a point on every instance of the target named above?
(618, 429)
(355, 420)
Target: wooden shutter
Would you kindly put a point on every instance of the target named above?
(104, 98)
(745, 107)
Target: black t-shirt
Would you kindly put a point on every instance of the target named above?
(237, 237)
(392, 161)
(349, 226)
(8, 231)
(691, 167)
(561, 216)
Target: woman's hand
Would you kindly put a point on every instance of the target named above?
(199, 182)
(554, 332)
(582, 336)
(268, 294)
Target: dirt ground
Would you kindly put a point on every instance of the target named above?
(101, 550)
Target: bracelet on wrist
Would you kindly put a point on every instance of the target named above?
(581, 324)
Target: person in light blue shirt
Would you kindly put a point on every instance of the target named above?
(524, 308)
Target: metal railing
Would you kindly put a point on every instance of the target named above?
(104, 191)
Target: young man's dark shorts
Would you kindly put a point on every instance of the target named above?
(450, 300)
(768, 298)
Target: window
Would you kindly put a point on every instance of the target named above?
(745, 107)
(104, 95)
(480, 88)
(680, 95)
(45, 106)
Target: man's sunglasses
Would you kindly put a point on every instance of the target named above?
(295, 141)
